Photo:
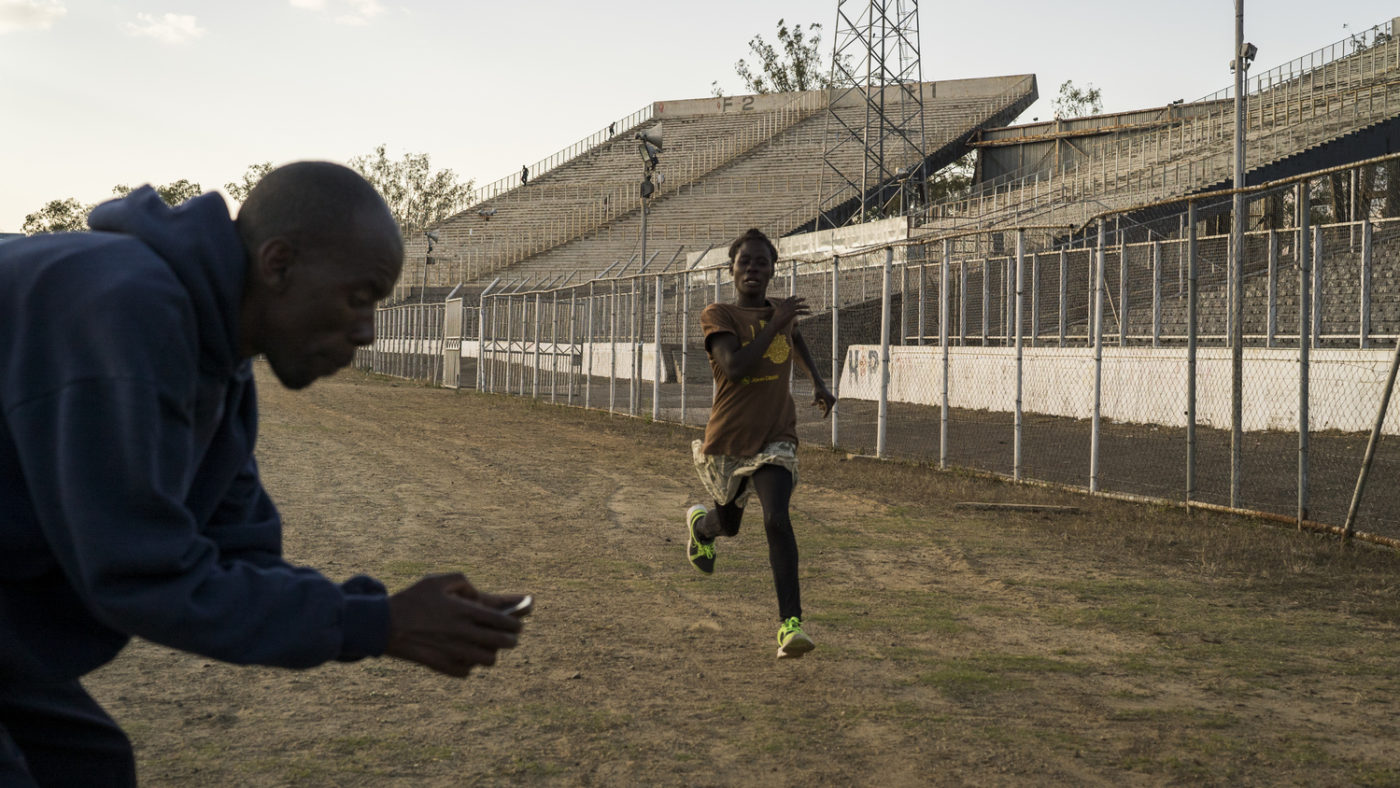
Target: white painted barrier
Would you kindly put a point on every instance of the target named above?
(1140, 385)
(575, 358)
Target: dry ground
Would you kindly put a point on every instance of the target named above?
(1125, 644)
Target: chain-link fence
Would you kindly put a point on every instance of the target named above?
(1129, 356)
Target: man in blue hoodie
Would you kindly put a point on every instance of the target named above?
(130, 503)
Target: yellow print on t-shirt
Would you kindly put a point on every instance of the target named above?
(778, 349)
(767, 379)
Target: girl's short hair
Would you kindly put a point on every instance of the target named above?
(752, 235)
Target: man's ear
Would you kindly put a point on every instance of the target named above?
(272, 262)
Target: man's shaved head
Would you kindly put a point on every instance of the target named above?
(323, 249)
(310, 203)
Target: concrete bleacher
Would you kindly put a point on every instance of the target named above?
(1336, 94)
(727, 164)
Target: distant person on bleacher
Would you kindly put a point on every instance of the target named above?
(750, 442)
(524, 174)
(130, 500)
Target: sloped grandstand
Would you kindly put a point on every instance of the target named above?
(1332, 106)
(729, 163)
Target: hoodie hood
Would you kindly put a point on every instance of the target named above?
(200, 243)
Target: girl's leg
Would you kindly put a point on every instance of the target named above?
(722, 520)
(773, 483)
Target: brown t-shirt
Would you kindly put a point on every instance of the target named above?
(754, 411)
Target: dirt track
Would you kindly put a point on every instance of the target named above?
(1119, 645)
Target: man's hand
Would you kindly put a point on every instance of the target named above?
(443, 623)
(787, 310)
(825, 400)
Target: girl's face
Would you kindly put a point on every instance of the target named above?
(752, 268)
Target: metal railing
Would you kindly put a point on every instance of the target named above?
(1301, 66)
(563, 156)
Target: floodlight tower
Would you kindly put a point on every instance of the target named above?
(875, 116)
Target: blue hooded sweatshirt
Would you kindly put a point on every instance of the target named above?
(130, 503)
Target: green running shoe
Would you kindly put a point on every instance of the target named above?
(701, 554)
(792, 641)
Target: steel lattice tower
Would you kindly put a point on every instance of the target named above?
(875, 117)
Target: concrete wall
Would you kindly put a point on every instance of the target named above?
(726, 105)
(1140, 385)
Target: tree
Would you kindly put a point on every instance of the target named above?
(798, 67)
(953, 180)
(65, 216)
(254, 173)
(418, 197)
(58, 216)
(1075, 102)
(172, 193)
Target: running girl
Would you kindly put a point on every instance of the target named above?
(750, 442)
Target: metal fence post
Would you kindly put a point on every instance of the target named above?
(792, 292)
(1016, 319)
(500, 382)
(510, 342)
(554, 347)
(481, 341)
(508, 328)
(535, 377)
(612, 356)
(714, 386)
(1305, 279)
(656, 368)
(1098, 361)
(524, 332)
(489, 374)
(685, 339)
(588, 342)
(836, 347)
(397, 351)
(634, 333)
(883, 423)
(1192, 268)
(943, 320)
(573, 335)
(1237, 248)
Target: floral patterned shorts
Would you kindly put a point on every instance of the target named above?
(723, 475)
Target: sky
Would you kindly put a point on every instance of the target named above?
(95, 94)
